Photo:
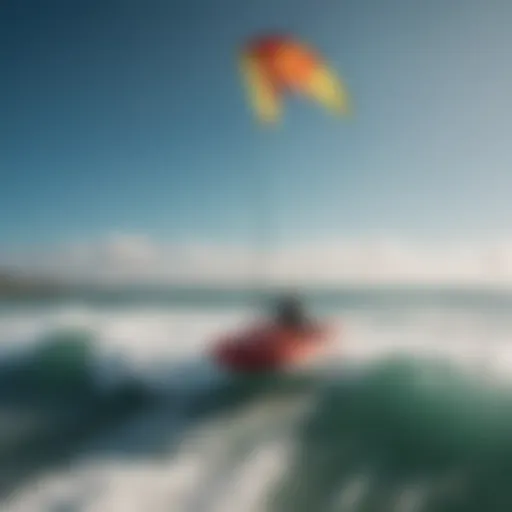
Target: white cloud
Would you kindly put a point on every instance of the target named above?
(139, 259)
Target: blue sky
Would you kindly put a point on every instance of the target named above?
(130, 116)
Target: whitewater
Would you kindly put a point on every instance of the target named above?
(109, 406)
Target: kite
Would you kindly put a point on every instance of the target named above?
(276, 65)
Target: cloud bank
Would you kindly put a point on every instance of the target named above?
(137, 259)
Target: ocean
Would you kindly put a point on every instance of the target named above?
(108, 403)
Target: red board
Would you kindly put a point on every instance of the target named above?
(268, 349)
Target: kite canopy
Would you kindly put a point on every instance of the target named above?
(276, 65)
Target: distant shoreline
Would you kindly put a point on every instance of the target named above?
(14, 290)
(15, 286)
(12, 286)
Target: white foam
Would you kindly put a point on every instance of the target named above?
(202, 475)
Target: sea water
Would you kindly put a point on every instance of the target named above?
(109, 403)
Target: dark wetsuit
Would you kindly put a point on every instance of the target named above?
(291, 315)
